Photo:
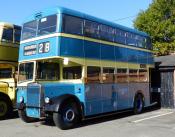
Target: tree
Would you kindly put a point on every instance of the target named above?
(159, 22)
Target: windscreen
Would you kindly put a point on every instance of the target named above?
(7, 35)
(5, 73)
(26, 71)
(47, 25)
(29, 30)
(43, 26)
(48, 71)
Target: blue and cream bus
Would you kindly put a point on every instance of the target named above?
(73, 66)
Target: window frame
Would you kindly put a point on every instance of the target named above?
(108, 77)
(56, 25)
(131, 77)
(95, 78)
(123, 75)
(81, 68)
(64, 27)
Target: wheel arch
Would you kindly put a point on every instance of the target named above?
(7, 97)
(57, 102)
(139, 92)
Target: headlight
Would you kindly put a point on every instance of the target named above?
(21, 99)
(47, 100)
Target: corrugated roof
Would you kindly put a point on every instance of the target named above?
(164, 61)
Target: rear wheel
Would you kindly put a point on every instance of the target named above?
(24, 117)
(5, 108)
(138, 104)
(67, 117)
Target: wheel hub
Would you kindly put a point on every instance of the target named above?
(70, 115)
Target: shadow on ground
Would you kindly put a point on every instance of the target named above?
(101, 119)
(14, 115)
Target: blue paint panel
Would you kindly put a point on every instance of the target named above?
(92, 50)
(33, 112)
(121, 54)
(57, 89)
(71, 47)
(74, 47)
(107, 52)
(22, 93)
(142, 57)
(150, 58)
(54, 49)
(132, 56)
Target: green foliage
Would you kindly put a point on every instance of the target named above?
(159, 22)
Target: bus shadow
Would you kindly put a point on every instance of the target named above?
(14, 115)
(103, 118)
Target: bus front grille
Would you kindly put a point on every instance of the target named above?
(34, 96)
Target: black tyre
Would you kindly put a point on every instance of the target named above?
(67, 117)
(5, 108)
(138, 104)
(25, 118)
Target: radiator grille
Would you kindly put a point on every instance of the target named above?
(34, 95)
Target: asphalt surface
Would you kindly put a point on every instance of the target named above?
(152, 123)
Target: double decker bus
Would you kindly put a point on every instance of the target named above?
(73, 66)
(9, 45)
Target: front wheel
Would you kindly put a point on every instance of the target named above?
(5, 108)
(138, 104)
(67, 117)
(25, 118)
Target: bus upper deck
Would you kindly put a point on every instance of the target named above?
(9, 46)
(9, 41)
(50, 34)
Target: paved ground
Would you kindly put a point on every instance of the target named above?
(155, 123)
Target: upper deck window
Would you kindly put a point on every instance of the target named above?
(120, 36)
(72, 25)
(17, 35)
(106, 33)
(91, 29)
(47, 25)
(7, 35)
(29, 30)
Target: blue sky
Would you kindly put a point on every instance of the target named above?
(15, 11)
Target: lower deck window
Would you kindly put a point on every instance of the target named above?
(121, 76)
(93, 74)
(133, 76)
(74, 72)
(143, 76)
(108, 75)
(47, 71)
